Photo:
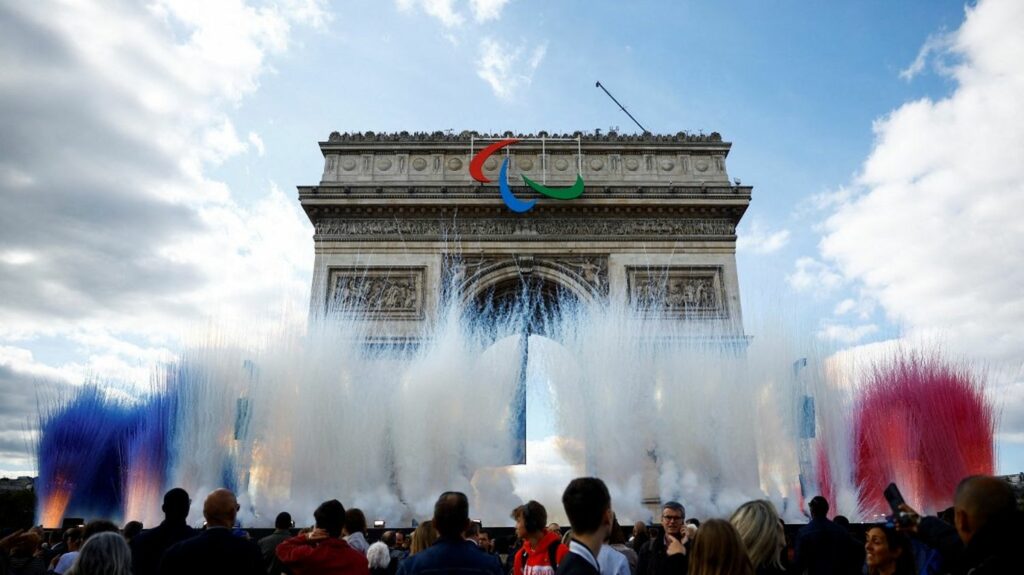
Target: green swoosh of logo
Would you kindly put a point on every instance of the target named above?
(574, 191)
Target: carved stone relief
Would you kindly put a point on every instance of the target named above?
(551, 229)
(394, 293)
(678, 292)
(466, 273)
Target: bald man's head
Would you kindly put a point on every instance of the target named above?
(220, 508)
(981, 500)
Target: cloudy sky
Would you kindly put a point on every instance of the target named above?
(149, 153)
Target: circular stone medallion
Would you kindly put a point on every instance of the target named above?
(490, 164)
(419, 164)
(561, 164)
(632, 164)
(525, 164)
(667, 165)
(701, 165)
(384, 164)
(454, 164)
(596, 164)
(348, 164)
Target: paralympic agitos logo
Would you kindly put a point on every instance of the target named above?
(515, 204)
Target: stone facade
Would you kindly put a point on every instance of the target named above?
(398, 220)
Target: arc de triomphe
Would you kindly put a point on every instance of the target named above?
(398, 219)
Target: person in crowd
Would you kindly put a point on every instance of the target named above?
(655, 558)
(216, 550)
(693, 521)
(617, 541)
(719, 550)
(131, 529)
(542, 549)
(423, 537)
(379, 557)
(762, 534)
(988, 530)
(888, 552)
(105, 553)
(451, 553)
(283, 525)
(639, 537)
(99, 526)
(589, 507)
(472, 534)
(355, 530)
(824, 548)
(554, 527)
(395, 541)
(323, 550)
(21, 553)
(58, 549)
(148, 547)
(75, 538)
(487, 545)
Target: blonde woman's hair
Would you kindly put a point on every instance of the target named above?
(760, 529)
(423, 537)
(719, 550)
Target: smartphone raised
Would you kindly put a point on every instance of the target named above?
(894, 497)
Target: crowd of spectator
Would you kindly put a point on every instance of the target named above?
(982, 533)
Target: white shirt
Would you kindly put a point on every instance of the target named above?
(585, 552)
(612, 562)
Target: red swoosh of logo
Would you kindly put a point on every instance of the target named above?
(477, 164)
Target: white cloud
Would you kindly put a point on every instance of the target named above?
(484, 10)
(508, 69)
(937, 45)
(760, 240)
(442, 10)
(934, 230)
(847, 334)
(257, 142)
(814, 276)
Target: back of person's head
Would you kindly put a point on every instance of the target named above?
(588, 505)
(818, 507)
(389, 538)
(719, 550)
(131, 529)
(424, 536)
(220, 508)
(378, 555)
(533, 514)
(330, 517)
(355, 521)
(472, 531)
(759, 527)
(176, 504)
(105, 553)
(842, 521)
(99, 526)
(283, 520)
(451, 514)
(982, 500)
(640, 531)
(74, 536)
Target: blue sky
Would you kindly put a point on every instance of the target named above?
(158, 166)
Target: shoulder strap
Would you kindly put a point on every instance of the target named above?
(553, 554)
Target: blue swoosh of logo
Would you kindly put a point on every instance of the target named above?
(513, 203)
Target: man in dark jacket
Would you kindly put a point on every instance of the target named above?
(215, 551)
(149, 546)
(654, 557)
(283, 525)
(589, 507)
(451, 554)
(824, 548)
(989, 526)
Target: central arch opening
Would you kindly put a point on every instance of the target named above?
(533, 304)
